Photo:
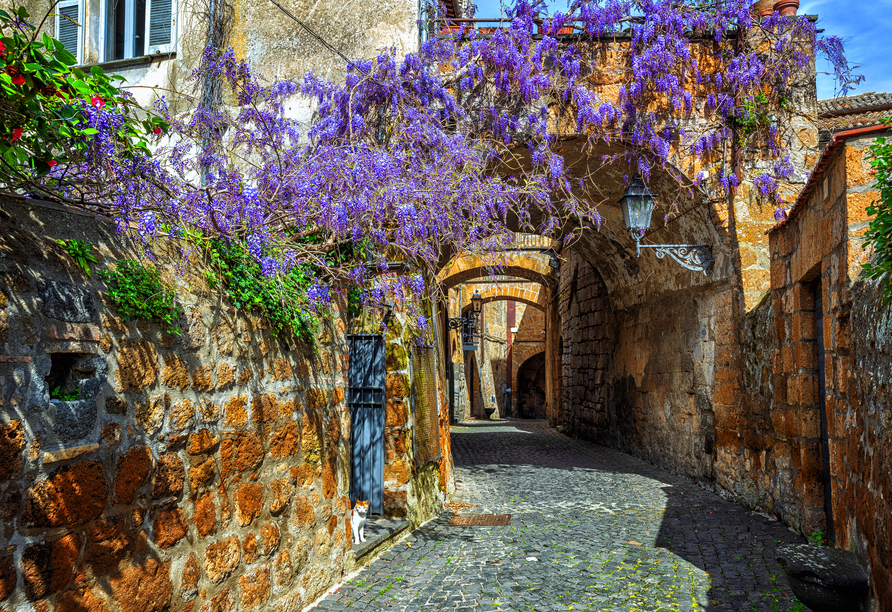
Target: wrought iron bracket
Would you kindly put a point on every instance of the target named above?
(696, 257)
(468, 328)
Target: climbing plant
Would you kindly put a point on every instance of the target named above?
(447, 148)
(879, 234)
(138, 292)
(66, 132)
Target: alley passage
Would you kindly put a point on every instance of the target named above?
(591, 529)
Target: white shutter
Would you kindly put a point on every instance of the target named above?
(68, 33)
(161, 26)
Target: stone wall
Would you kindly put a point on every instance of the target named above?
(202, 471)
(817, 254)
(642, 378)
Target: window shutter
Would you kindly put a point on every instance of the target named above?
(68, 30)
(161, 26)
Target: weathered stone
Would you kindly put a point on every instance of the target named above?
(169, 476)
(137, 365)
(825, 579)
(398, 472)
(47, 567)
(221, 602)
(282, 491)
(66, 302)
(242, 452)
(72, 495)
(149, 415)
(111, 433)
(202, 474)
(176, 372)
(285, 441)
(7, 577)
(190, 577)
(270, 537)
(169, 528)
(255, 587)
(311, 437)
(396, 413)
(143, 588)
(83, 600)
(397, 358)
(132, 472)
(317, 399)
(201, 442)
(12, 443)
(304, 475)
(235, 411)
(397, 386)
(108, 543)
(264, 408)
(182, 415)
(249, 549)
(205, 518)
(248, 503)
(244, 376)
(74, 420)
(203, 378)
(281, 369)
(330, 479)
(209, 410)
(283, 570)
(221, 558)
(225, 375)
(303, 515)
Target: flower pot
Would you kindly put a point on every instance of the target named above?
(787, 8)
(763, 7)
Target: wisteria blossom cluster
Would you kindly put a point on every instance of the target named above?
(451, 148)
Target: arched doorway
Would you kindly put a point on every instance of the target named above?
(531, 386)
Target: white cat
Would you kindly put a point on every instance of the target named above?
(357, 520)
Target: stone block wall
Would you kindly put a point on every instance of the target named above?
(642, 378)
(818, 255)
(202, 471)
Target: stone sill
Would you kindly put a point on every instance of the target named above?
(131, 62)
(377, 533)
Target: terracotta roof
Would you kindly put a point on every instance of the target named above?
(862, 110)
(839, 139)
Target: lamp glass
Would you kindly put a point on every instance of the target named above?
(638, 205)
(476, 301)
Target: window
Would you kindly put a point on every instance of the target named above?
(68, 27)
(138, 27)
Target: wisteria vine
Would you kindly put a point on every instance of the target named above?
(451, 149)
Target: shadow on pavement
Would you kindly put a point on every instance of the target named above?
(733, 546)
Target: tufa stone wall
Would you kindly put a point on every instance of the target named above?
(202, 471)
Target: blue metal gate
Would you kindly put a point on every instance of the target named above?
(366, 400)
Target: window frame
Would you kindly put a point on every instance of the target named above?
(130, 31)
(79, 53)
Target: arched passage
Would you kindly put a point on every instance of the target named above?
(530, 265)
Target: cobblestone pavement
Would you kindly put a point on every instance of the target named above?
(592, 529)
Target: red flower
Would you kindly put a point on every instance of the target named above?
(16, 134)
(157, 130)
(97, 101)
(2, 48)
(52, 163)
(17, 77)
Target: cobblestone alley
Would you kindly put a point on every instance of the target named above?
(591, 529)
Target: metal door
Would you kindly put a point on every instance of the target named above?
(366, 400)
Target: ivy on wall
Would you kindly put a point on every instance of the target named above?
(879, 235)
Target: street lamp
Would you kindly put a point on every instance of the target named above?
(638, 206)
(469, 325)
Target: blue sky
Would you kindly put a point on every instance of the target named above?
(865, 26)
